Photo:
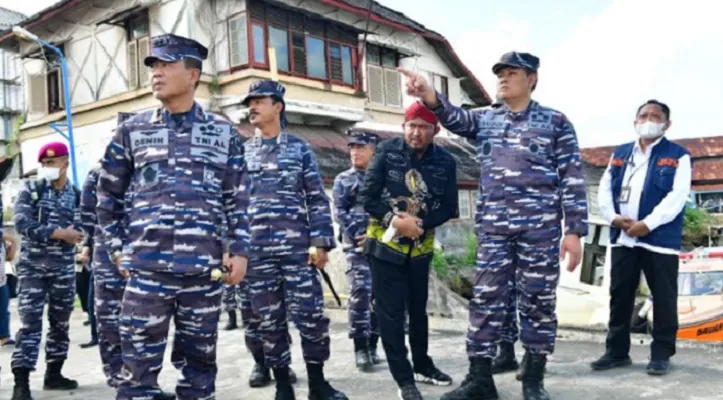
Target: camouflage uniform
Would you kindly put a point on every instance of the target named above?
(531, 176)
(46, 272)
(353, 222)
(108, 284)
(188, 179)
(289, 211)
(230, 300)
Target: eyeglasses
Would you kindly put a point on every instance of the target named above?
(420, 126)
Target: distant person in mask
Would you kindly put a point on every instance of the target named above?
(46, 216)
(642, 195)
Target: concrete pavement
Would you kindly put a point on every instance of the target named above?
(696, 375)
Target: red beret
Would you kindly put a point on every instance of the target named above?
(419, 110)
(52, 150)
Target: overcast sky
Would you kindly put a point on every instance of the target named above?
(600, 59)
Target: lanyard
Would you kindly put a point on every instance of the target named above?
(635, 169)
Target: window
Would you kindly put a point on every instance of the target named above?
(711, 202)
(279, 40)
(305, 46)
(384, 84)
(315, 58)
(138, 48)
(464, 208)
(340, 62)
(45, 89)
(238, 41)
(441, 84)
(259, 36)
(54, 91)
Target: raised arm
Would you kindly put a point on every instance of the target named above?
(454, 119)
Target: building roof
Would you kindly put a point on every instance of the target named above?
(8, 18)
(705, 147)
(330, 147)
(379, 14)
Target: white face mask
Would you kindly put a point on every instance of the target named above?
(48, 173)
(650, 130)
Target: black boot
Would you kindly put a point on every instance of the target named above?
(21, 391)
(260, 376)
(361, 355)
(477, 385)
(373, 340)
(284, 390)
(232, 322)
(505, 360)
(54, 380)
(533, 372)
(319, 388)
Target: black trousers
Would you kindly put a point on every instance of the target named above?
(399, 288)
(82, 287)
(661, 274)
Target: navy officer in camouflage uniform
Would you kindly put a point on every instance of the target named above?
(188, 175)
(353, 222)
(531, 177)
(47, 217)
(289, 212)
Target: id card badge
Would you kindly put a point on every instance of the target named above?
(624, 195)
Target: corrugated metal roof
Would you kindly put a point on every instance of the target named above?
(8, 18)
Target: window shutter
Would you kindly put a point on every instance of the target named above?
(299, 43)
(336, 63)
(132, 61)
(38, 100)
(256, 10)
(392, 88)
(375, 84)
(144, 50)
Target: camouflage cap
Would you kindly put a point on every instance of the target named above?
(514, 59)
(173, 48)
(264, 88)
(362, 138)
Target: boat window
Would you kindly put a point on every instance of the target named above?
(700, 283)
